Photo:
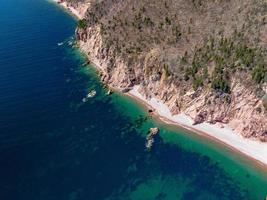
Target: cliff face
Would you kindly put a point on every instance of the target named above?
(204, 58)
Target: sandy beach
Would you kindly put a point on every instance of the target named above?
(249, 147)
(252, 148)
(71, 9)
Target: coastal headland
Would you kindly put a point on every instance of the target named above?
(234, 114)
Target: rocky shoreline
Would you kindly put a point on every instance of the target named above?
(240, 113)
(241, 110)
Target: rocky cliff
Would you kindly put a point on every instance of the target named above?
(204, 58)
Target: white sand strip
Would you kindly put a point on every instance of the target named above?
(252, 148)
(70, 8)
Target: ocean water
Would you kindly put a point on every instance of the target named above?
(54, 146)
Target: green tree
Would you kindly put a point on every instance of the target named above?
(197, 82)
(258, 73)
(82, 24)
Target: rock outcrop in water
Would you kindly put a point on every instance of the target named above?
(204, 58)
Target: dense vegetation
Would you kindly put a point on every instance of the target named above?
(227, 57)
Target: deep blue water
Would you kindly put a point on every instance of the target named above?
(55, 147)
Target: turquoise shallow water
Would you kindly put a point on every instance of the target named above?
(54, 146)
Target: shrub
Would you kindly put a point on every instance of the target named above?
(258, 73)
(264, 100)
(245, 54)
(265, 105)
(220, 84)
(82, 24)
(197, 82)
(168, 21)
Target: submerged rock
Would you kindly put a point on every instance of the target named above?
(179, 68)
(150, 137)
(153, 131)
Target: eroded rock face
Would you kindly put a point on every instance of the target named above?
(239, 109)
(152, 67)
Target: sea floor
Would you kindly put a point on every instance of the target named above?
(55, 146)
